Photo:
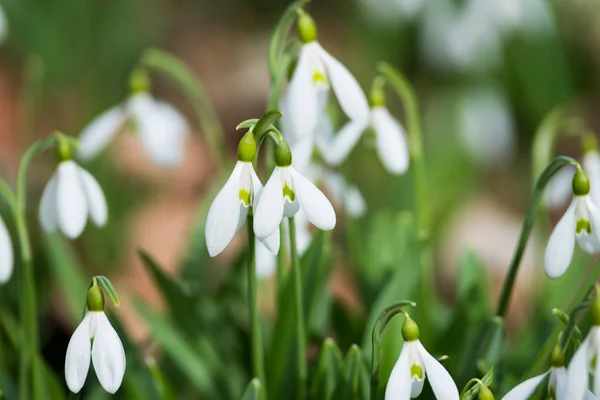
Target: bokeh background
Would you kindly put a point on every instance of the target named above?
(486, 73)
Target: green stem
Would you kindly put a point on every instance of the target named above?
(300, 325)
(554, 166)
(380, 324)
(193, 89)
(258, 361)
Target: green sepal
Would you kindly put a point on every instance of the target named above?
(109, 289)
(581, 183)
(328, 372)
(249, 123)
(253, 391)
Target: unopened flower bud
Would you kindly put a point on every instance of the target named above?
(581, 183)
(307, 30)
(247, 147)
(410, 330)
(283, 155)
(95, 299)
(485, 393)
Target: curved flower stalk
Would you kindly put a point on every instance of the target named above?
(316, 72)
(228, 212)
(580, 223)
(71, 196)
(6, 254)
(413, 366)
(95, 340)
(163, 131)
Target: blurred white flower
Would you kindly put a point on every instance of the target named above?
(557, 384)
(582, 363)
(106, 352)
(162, 129)
(343, 193)
(486, 126)
(70, 197)
(389, 13)
(408, 376)
(3, 25)
(6, 254)
(286, 192)
(558, 189)
(228, 211)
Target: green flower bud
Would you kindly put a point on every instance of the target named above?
(307, 30)
(247, 147)
(64, 148)
(410, 330)
(484, 393)
(95, 299)
(139, 81)
(581, 183)
(283, 155)
(557, 359)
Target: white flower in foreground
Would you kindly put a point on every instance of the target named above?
(162, 129)
(581, 223)
(558, 190)
(315, 73)
(6, 254)
(286, 192)
(228, 211)
(95, 340)
(71, 195)
(413, 366)
(583, 363)
(390, 139)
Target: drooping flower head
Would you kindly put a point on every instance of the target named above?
(71, 196)
(6, 254)
(413, 366)
(228, 211)
(95, 340)
(580, 223)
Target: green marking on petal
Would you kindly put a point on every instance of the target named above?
(583, 225)
(416, 372)
(245, 196)
(593, 364)
(319, 77)
(289, 193)
(551, 392)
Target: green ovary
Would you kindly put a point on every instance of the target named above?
(319, 77)
(245, 196)
(289, 193)
(416, 372)
(583, 225)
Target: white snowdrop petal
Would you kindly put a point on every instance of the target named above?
(417, 387)
(355, 202)
(399, 385)
(336, 151)
(95, 198)
(347, 90)
(302, 97)
(6, 254)
(313, 202)
(268, 211)
(98, 134)
(223, 215)
(77, 361)
(163, 132)
(561, 245)
(108, 355)
(577, 373)
(71, 200)
(523, 390)
(560, 376)
(271, 242)
(591, 165)
(596, 374)
(48, 207)
(558, 189)
(265, 261)
(302, 152)
(303, 235)
(391, 141)
(440, 380)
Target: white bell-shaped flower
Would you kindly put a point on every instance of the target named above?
(413, 366)
(317, 71)
(7, 260)
(97, 341)
(583, 363)
(70, 197)
(161, 128)
(580, 223)
(286, 192)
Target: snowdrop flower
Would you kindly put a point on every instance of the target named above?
(97, 340)
(286, 192)
(228, 211)
(343, 193)
(70, 197)
(315, 73)
(162, 129)
(584, 361)
(6, 254)
(413, 366)
(3, 26)
(581, 223)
